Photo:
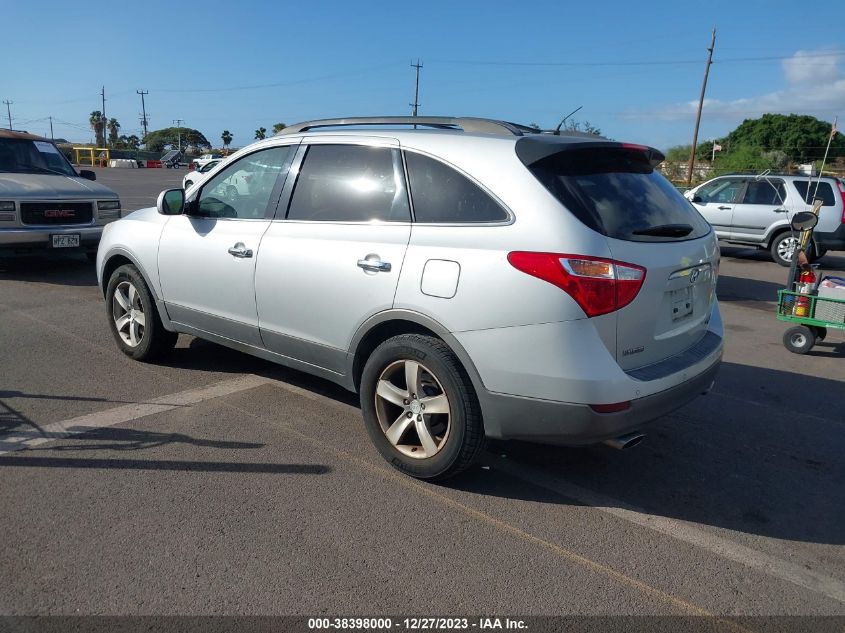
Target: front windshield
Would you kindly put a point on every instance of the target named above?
(25, 156)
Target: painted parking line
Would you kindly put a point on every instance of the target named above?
(20, 440)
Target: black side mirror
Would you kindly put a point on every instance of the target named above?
(804, 221)
(697, 199)
(171, 202)
(87, 174)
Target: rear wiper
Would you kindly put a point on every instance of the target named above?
(666, 230)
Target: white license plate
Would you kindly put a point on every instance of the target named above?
(66, 241)
(682, 302)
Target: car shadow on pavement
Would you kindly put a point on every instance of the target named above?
(59, 270)
(748, 292)
(833, 261)
(202, 355)
(761, 455)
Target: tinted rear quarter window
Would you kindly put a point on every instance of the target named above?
(350, 183)
(442, 195)
(824, 192)
(618, 193)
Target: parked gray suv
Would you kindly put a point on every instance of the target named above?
(471, 279)
(756, 210)
(44, 203)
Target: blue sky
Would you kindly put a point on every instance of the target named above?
(635, 68)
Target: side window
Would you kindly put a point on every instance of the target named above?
(723, 190)
(825, 192)
(243, 189)
(442, 195)
(350, 183)
(768, 192)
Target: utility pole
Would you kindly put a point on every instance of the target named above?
(178, 123)
(103, 94)
(416, 102)
(9, 110)
(700, 106)
(51, 129)
(143, 110)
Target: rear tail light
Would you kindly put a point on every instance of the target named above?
(842, 195)
(599, 286)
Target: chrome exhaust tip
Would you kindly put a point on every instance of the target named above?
(629, 440)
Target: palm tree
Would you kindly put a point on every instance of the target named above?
(114, 128)
(98, 125)
(227, 138)
(278, 128)
(261, 133)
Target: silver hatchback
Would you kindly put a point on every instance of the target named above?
(469, 279)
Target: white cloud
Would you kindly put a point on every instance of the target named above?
(815, 85)
(811, 66)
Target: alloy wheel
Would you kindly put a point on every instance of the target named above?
(786, 248)
(413, 409)
(128, 314)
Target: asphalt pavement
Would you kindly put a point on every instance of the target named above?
(217, 483)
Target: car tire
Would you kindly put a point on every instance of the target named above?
(434, 445)
(780, 247)
(133, 317)
(799, 339)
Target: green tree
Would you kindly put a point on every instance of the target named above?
(159, 139)
(278, 127)
(98, 125)
(261, 133)
(227, 138)
(802, 138)
(113, 127)
(743, 158)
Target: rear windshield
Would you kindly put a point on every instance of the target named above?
(25, 156)
(617, 192)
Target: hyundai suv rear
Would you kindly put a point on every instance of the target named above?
(44, 203)
(472, 280)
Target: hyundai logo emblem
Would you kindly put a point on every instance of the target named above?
(693, 275)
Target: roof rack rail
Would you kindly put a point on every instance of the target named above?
(467, 124)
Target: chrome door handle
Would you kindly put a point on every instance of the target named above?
(374, 265)
(239, 250)
(724, 208)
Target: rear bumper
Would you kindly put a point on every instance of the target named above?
(834, 241)
(21, 241)
(550, 422)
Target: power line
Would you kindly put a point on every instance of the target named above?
(662, 62)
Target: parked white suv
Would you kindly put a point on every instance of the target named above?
(475, 280)
(756, 210)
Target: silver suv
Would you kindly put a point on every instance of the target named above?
(44, 203)
(472, 280)
(756, 210)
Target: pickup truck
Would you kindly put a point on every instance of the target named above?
(204, 160)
